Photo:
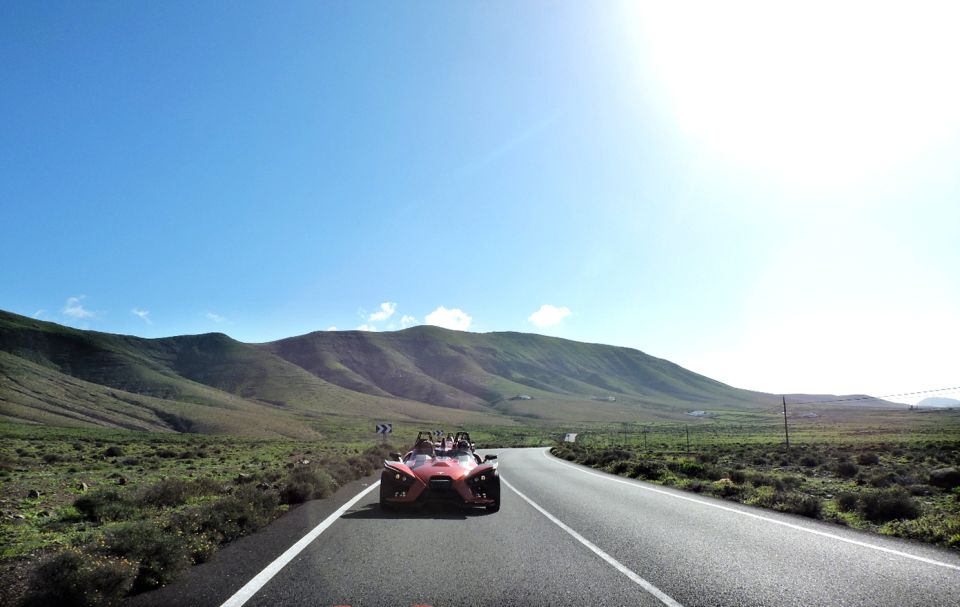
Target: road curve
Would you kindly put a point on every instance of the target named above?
(568, 535)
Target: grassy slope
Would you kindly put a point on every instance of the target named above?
(451, 368)
(212, 383)
(204, 383)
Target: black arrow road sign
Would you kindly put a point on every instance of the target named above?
(384, 428)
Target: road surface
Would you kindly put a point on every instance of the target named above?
(566, 535)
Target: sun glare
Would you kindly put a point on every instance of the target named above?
(812, 93)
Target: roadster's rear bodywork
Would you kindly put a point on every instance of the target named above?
(446, 471)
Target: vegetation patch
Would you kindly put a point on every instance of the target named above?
(907, 489)
(90, 516)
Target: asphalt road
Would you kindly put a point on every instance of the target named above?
(567, 535)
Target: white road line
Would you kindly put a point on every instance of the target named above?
(250, 588)
(755, 516)
(656, 592)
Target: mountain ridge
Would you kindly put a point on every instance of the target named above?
(210, 382)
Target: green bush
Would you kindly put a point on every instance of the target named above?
(308, 482)
(161, 555)
(725, 488)
(738, 476)
(882, 505)
(103, 505)
(113, 451)
(868, 458)
(938, 529)
(76, 579)
(846, 469)
(175, 491)
(690, 468)
(847, 501)
(649, 470)
(233, 516)
(799, 503)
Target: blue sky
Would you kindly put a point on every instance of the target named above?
(767, 196)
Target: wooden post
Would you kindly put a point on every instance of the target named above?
(688, 438)
(786, 430)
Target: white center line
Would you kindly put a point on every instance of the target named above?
(656, 592)
(250, 588)
(755, 516)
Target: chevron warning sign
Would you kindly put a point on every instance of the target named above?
(384, 428)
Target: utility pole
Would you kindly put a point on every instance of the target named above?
(688, 438)
(786, 430)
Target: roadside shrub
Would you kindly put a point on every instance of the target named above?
(882, 505)
(809, 461)
(846, 469)
(790, 481)
(939, 529)
(113, 451)
(233, 516)
(738, 476)
(649, 470)
(847, 501)
(620, 467)
(881, 479)
(799, 503)
(690, 468)
(76, 579)
(103, 505)
(868, 458)
(307, 482)
(725, 488)
(161, 555)
(764, 497)
(164, 493)
(175, 491)
(945, 478)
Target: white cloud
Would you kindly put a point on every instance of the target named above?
(455, 319)
(75, 309)
(39, 313)
(387, 309)
(407, 321)
(143, 314)
(332, 328)
(215, 317)
(548, 316)
(366, 327)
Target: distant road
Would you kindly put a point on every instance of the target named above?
(568, 535)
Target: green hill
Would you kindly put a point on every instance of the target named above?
(57, 375)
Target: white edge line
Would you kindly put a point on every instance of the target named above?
(608, 477)
(250, 588)
(653, 590)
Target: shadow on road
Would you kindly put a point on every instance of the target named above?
(435, 511)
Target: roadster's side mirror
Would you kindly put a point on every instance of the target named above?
(396, 456)
(489, 457)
